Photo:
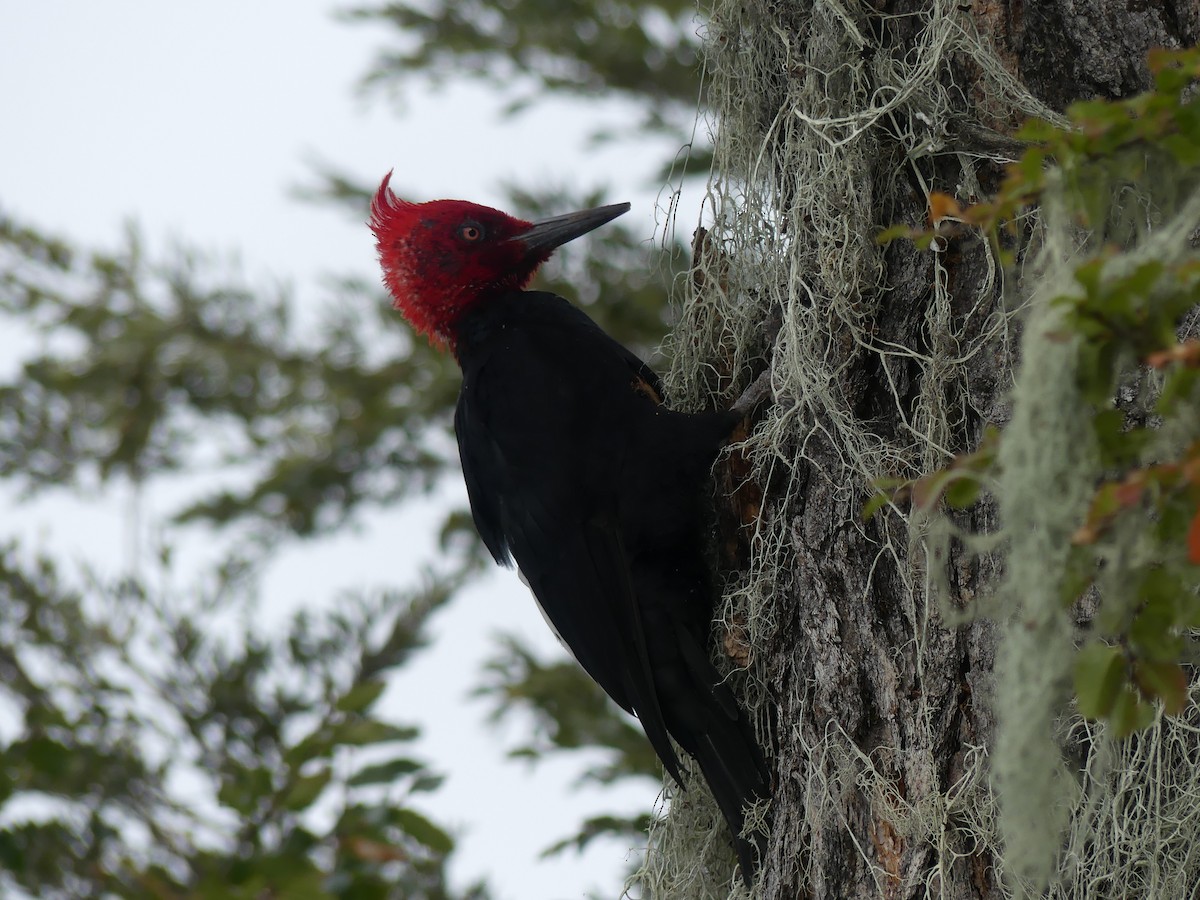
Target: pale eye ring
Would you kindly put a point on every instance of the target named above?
(470, 232)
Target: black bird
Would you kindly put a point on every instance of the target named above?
(577, 471)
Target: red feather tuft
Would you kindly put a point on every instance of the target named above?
(385, 206)
(433, 273)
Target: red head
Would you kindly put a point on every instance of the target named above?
(441, 257)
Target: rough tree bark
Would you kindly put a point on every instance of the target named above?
(846, 652)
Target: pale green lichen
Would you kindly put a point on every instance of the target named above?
(799, 109)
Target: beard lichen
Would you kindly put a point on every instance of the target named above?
(815, 118)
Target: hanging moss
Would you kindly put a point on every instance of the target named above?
(815, 118)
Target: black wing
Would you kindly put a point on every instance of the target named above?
(543, 426)
(575, 470)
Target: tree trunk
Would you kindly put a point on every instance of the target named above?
(837, 119)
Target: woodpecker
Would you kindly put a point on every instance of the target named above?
(577, 471)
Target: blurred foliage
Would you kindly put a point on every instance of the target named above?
(136, 357)
(570, 712)
(1135, 559)
(644, 52)
(158, 742)
(294, 786)
(570, 709)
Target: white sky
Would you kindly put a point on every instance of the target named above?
(196, 120)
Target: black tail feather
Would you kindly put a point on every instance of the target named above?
(711, 727)
(734, 770)
(699, 710)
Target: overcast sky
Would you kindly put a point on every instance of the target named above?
(196, 121)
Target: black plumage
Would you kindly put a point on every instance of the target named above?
(578, 472)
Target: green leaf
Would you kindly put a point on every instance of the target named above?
(1037, 131)
(1090, 276)
(1141, 281)
(1130, 713)
(1100, 675)
(306, 790)
(1078, 574)
(360, 696)
(360, 732)
(385, 773)
(1152, 632)
(1185, 150)
(317, 745)
(1109, 428)
(48, 757)
(425, 783)
(963, 491)
(896, 232)
(244, 789)
(423, 831)
(1180, 385)
(874, 505)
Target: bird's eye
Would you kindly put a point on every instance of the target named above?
(470, 232)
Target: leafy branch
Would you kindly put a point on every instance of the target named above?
(1123, 168)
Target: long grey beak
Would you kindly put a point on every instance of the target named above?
(551, 233)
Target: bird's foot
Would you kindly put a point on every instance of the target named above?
(759, 390)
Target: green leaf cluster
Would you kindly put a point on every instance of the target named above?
(1122, 169)
(959, 485)
(571, 713)
(139, 356)
(1127, 315)
(298, 788)
(644, 52)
